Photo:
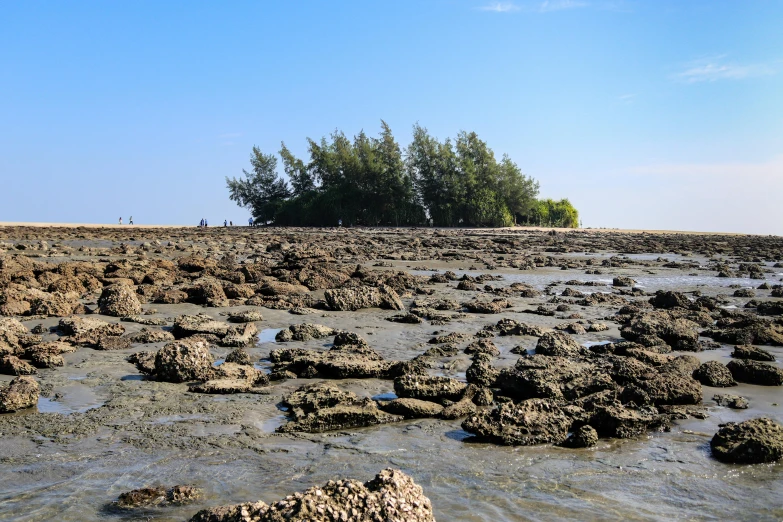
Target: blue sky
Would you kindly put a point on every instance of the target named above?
(646, 114)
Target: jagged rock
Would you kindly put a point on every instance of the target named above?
(224, 386)
(770, 308)
(558, 344)
(21, 393)
(145, 336)
(617, 421)
(363, 297)
(208, 292)
(350, 339)
(113, 343)
(751, 442)
(312, 397)
(459, 409)
(119, 300)
(277, 288)
(715, 374)
(238, 356)
(429, 388)
(188, 325)
(731, 401)
(752, 352)
(55, 304)
(184, 360)
(248, 316)
(304, 332)
(453, 337)
(660, 327)
(412, 408)
(487, 307)
(240, 335)
(392, 496)
(623, 281)
(511, 327)
(482, 346)
(409, 318)
(481, 372)
(158, 496)
(89, 331)
(667, 299)
(12, 365)
(755, 372)
(534, 421)
(340, 417)
(583, 437)
(748, 331)
(350, 361)
(144, 361)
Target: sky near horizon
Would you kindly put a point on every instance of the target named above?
(645, 114)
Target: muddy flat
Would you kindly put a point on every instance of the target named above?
(560, 329)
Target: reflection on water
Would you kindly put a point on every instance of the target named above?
(71, 400)
(268, 335)
(390, 396)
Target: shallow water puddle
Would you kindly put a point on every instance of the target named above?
(268, 335)
(270, 425)
(74, 398)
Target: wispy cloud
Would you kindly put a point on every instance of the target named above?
(500, 7)
(717, 68)
(229, 135)
(548, 6)
(627, 98)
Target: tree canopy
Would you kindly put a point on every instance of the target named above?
(373, 181)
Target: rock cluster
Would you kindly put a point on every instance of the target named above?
(391, 496)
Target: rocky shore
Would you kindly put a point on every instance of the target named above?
(297, 344)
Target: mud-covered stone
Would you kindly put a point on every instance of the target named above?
(350, 299)
(119, 300)
(340, 417)
(582, 437)
(184, 360)
(754, 441)
(715, 374)
(558, 344)
(534, 421)
(755, 372)
(304, 332)
(431, 388)
(391, 496)
(752, 352)
(21, 393)
(12, 365)
(731, 401)
(411, 408)
(158, 496)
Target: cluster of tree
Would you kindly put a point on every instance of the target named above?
(371, 181)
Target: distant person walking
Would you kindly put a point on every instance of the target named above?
(130, 220)
(201, 223)
(120, 220)
(250, 222)
(206, 223)
(339, 223)
(231, 223)
(225, 223)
